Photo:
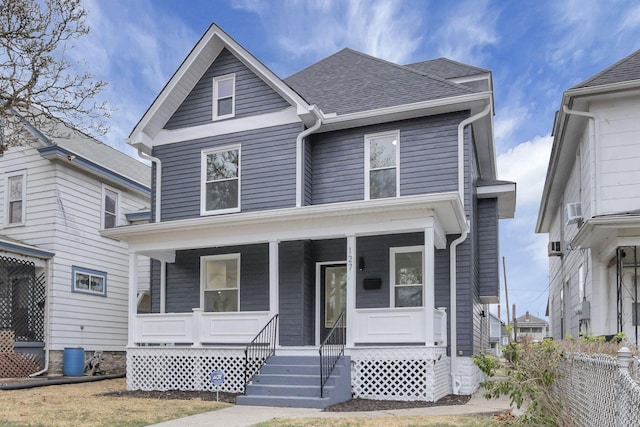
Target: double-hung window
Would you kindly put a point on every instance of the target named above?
(382, 157)
(407, 278)
(15, 198)
(224, 96)
(110, 207)
(220, 282)
(220, 191)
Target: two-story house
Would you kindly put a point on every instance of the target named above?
(62, 284)
(530, 328)
(591, 205)
(357, 196)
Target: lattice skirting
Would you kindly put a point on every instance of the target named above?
(166, 368)
(400, 373)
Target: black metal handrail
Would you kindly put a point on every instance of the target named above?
(260, 349)
(331, 350)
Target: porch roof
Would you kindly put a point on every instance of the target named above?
(443, 211)
(13, 246)
(605, 233)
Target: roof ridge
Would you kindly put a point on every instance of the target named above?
(606, 70)
(444, 58)
(420, 73)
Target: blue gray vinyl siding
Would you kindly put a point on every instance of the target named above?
(294, 294)
(428, 158)
(267, 164)
(488, 247)
(183, 278)
(253, 95)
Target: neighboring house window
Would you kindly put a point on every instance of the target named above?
(382, 157)
(224, 96)
(16, 192)
(580, 283)
(220, 190)
(110, 207)
(221, 282)
(407, 279)
(89, 281)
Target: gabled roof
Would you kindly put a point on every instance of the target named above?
(446, 68)
(533, 320)
(350, 81)
(189, 73)
(628, 68)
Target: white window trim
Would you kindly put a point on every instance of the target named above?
(367, 151)
(203, 274)
(216, 80)
(203, 180)
(90, 272)
(103, 205)
(392, 271)
(23, 174)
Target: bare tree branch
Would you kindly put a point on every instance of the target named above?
(37, 78)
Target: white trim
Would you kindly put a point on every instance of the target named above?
(103, 207)
(224, 127)
(274, 278)
(392, 272)
(216, 96)
(7, 177)
(367, 161)
(203, 275)
(352, 250)
(203, 179)
(428, 277)
(319, 266)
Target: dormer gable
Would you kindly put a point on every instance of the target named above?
(214, 52)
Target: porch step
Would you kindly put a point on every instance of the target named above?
(294, 381)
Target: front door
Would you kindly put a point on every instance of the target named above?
(333, 296)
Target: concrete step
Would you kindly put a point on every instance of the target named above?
(287, 390)
(286, 402)
(278, 379)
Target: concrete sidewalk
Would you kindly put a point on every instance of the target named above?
(245, 416)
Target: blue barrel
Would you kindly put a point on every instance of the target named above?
(73, 362)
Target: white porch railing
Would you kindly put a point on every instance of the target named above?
(198, 328)
(397, 325)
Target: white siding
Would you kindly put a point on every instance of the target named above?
(619, 155)
(63, 211)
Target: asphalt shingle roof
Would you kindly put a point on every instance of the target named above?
(628, 68)
(349, 81)
(446, 68)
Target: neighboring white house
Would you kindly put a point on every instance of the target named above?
(591, 205)
(531, 328)
(62, 284)
(497, 335)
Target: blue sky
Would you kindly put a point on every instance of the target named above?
(535, 49)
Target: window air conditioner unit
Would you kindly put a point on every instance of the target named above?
(573, 213)
(554, 249)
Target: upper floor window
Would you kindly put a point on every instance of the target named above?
(16, 190)
(110, 207)
(220, 191)
(407, 283)
(224, 96)
(382, 157)
(221, 282)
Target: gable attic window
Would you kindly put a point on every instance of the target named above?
(110, 207)
(15, 185)
(224, 96)
(220, 176)
(382, 157)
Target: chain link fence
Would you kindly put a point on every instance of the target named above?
(600, 390)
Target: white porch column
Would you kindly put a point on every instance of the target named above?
(163, 286)
(351, 289)
(133, 294)
(274, 278)
(429, 282)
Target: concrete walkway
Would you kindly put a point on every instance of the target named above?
(246, 416)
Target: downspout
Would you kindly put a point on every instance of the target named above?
(158, 179)
(300, 155)
(455, 378)
(592, 146)
(47, 321)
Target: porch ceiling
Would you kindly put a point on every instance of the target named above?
(605, 234)
(442, 211)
